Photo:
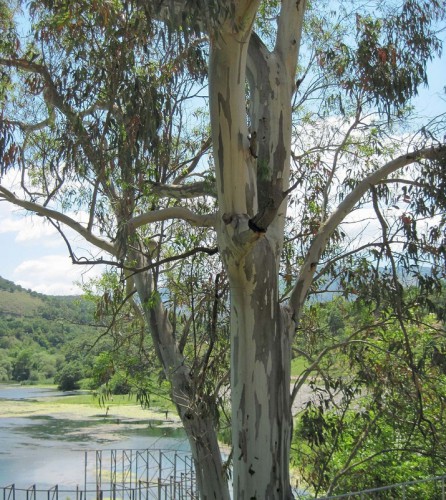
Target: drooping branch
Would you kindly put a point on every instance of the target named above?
(54, 100)
(315, 362)
(300, 290)
(181, 213)
(7, 195)
(50, 93)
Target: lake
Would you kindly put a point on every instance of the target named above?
(49, 450)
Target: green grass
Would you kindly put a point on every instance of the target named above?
(19, 303)
(156, 402)
(298, 365)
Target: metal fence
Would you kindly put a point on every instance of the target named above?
(170, 475)
(170, 470)
(123, 475)
(433, 488)
(164, 491)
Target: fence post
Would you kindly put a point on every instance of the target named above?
(175, 457)
(32, 490)
(85, 471)
(55, 491)
(11, 489)
(98, 470)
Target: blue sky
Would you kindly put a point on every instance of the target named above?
(33, 254)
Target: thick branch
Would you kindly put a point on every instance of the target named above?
(183, 191)
(22, 64)
(57, 216)
(173, 213)
(300, 290)
(289, 33)
(30, 127)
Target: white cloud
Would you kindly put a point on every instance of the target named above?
(33, 254)
(54, 275)
(31, 228)
(27, 228)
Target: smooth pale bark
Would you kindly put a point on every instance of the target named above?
(251, 190)
(260, 381)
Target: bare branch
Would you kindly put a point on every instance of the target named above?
(350, 130)
(7, 195)
(300, 290)
(173, 258)
(185, 171)
(173, 213)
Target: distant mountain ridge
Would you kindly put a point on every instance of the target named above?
(18, 301)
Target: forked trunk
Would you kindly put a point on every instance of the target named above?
(252, 176)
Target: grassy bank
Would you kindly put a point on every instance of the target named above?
(86, 406)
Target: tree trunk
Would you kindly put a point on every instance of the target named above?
(250, 234)
(212, 482)
(260, 379)
(252, 173)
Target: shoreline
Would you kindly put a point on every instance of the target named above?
(80, 411)
(81, 406)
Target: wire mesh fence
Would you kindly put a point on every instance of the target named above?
(433, 488)
(170, 475)
(122, 475)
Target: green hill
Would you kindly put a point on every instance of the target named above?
(17, 301)
(38, 332)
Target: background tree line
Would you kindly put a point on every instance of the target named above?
(57, 339)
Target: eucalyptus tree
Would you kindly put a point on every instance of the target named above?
(100, 117)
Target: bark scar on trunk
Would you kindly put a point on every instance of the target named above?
(254, 227)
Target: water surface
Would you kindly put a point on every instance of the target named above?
(45, 451)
